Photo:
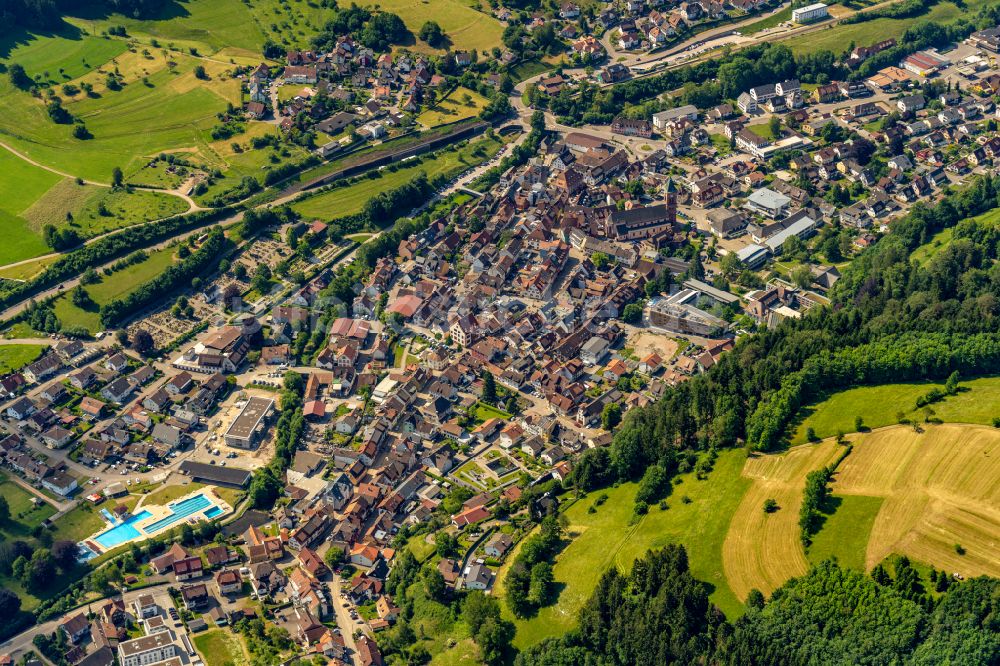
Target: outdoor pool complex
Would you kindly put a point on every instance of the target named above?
(132, 528)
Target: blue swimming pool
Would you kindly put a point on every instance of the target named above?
(179, 511)
(213, 512)
(122, 533)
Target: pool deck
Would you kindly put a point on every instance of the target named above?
(159, 512)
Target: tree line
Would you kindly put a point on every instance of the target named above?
(660, 614)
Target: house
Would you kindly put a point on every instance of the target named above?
(75, 628)
(229, 582)
(498, 545)
(118, 391)
(149, 649)
(195, 597)
(470, 517)
(479, 577)
(368, 652)
(911, 103)
(187, 568)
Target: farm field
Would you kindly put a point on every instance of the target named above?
(464, 27)
(846, 531)
(453, 108)
(110, 287)
(15, 357)
(349, 200)
(605, 538)
(837, 38)
(878, 406)
(762, 550)
(940, 491)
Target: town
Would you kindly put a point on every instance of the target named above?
(319, 427)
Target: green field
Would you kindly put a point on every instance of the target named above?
(220, 648)
(845, 532)
(24, 515)
(453, 108)
(207, 25)
(605, 538)
(15, 357)
(878, 406)
(464, 27)
(111, 287)
(839, 37)
(351, 199)
(79, 523)
(768, 22)
(162, 107)
(21, 186)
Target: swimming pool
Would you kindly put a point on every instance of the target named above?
(121, 533)
(213, 512)
(179, 511)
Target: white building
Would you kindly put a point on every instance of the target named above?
(810, 13)
(147, 649)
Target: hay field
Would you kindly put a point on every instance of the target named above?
(941, 488)
(763, 550)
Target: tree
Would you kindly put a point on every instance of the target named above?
(117, 177)
(801, 276)
(774, 126)
(10, 606)
(81, 298)
(4, 510)
(199, 72)
(445, 544)
(142, 341)
(632, 313)
(18, 77)
(541, 582)
(64, 553)
(434, 584)
(770, 505)
(611, 415)
(431, 33)
(489, 388)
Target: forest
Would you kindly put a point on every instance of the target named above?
(660, 614)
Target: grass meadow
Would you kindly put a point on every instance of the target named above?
(607, 537)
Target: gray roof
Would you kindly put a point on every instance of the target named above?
(767, 198)
(795, 229)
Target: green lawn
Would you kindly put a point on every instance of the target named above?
(764, 130)
(111, 287)
(21, 185)
(207, 25)
(351, 199)
(878, 406)
(161, 107)
(453, 108)
(844, 534)
(529, 68)
(484, 412)
(768, 22)
(15, 357)
(24, 515)
(220, 648)
(79, 523)
(605, 538)
(58, 57)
